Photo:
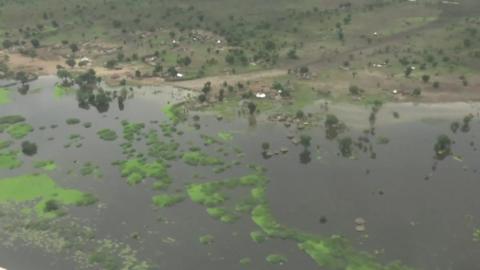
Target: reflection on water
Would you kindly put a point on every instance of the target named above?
(375, 165)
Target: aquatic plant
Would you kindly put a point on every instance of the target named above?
(207, 239)
(9, 160)
(60, 91)
(72, 121)
(476, 235)
(174, 112)
(305, 140)
(4, 96)
(245, 261)
(345, 146)
(19, 130)
(161, 149)
(39, 187)
(90, 169)
(130, 130)
(166, 200)
(258, 236)
(276, 259)
(107, 134)
(225, 136)
(11, 119)
(5, 144)
(195, 158)
(136, 170)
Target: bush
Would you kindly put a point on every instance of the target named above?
(417, 92)
(51, 206)
(355, 90)
(443, 147)
(72, 121)
(29, 148)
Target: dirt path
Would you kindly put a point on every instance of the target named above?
(39, 66)
(231, 79)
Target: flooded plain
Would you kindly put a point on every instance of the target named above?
(390, 197)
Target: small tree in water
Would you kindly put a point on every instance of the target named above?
(443, 147)
(265, 146)
(305, 140)
(252, 107)
(345, 146)
(29, 148)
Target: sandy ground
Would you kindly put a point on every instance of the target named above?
(450, 90)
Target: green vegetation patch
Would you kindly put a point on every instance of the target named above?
(276, 259)
(336, 253)
(136, 170)
(90, 169)
(160, 149)
(196, 158)
(130, 130)
(5, 144)
(11, 119)
(19, 130)
(166, 200)
(74, 139)
(174, 112)
(476, 235)
(60, 91)
(223, 214)
(110, 255)
(4, 96)
(258, 236)
(72, 121)
(9, 160)
(206, 239)
(107, 135)
(207, 194)
(43, 189)
(47, 165)
(245, 261)
(225, 136)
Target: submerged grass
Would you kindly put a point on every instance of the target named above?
(11, 119)
(47, 165)
(88, 169)
(72, 121)
(206, 239)
(107, 134)
(137, 170)
(131, 130)
(60, 91)
(9, 160)
(196, 158)
(42, 189)
(166, 200)
(174, 112)
(19, 130)
(276, 259)
(332, 252)
(225, 136)
(5, 144)
(4, 96)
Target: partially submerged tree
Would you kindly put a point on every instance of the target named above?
(29, 148)
(443, 147)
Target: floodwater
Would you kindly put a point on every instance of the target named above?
(418, 210)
